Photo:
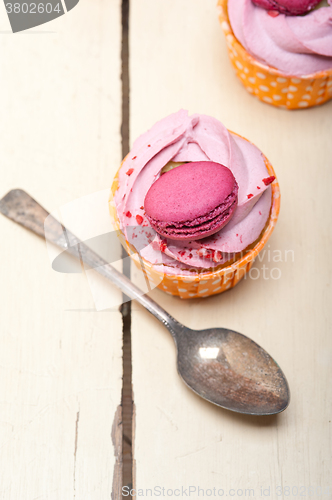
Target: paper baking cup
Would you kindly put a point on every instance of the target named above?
(269, 84)
(204, 284)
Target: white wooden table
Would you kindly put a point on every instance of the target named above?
(61, 361)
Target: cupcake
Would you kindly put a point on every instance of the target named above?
(282, 58)
(194, 204)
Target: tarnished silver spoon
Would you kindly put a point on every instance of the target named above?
(220, 365)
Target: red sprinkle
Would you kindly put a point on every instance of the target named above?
(130, 171)
(258, 187)
(268, 180)
(128, 214)
(250, 196)
(149, 145)
(215, 255)
(273, 13)
(190, 256)
(163, 245)
(260, 213)
(142, 208)
(241, 239)
(139, 219)
(205, 254)
(182, 253)
(237, 235)
(134, 157)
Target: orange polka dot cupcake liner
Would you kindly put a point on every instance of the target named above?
(269, 84)
(203, 284)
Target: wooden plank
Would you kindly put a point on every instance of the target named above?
(60, 360)
(179, 60)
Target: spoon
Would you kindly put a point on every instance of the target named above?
(220, 365)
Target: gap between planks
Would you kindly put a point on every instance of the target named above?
(127, 395)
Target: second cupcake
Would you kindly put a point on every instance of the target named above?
(284, 60)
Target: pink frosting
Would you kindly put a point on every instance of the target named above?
(178, 138)
(296, 45)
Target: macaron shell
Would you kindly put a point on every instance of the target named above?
(188, 192)
(207, 228)
(288, 7)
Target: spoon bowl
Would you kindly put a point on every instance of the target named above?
(220, 365)
(231, 371)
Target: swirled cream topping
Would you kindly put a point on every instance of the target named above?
(181, 138)
(296, 45)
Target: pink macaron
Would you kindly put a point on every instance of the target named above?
(288, 7)
(192, 201)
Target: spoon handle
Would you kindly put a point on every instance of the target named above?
(23, 209)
